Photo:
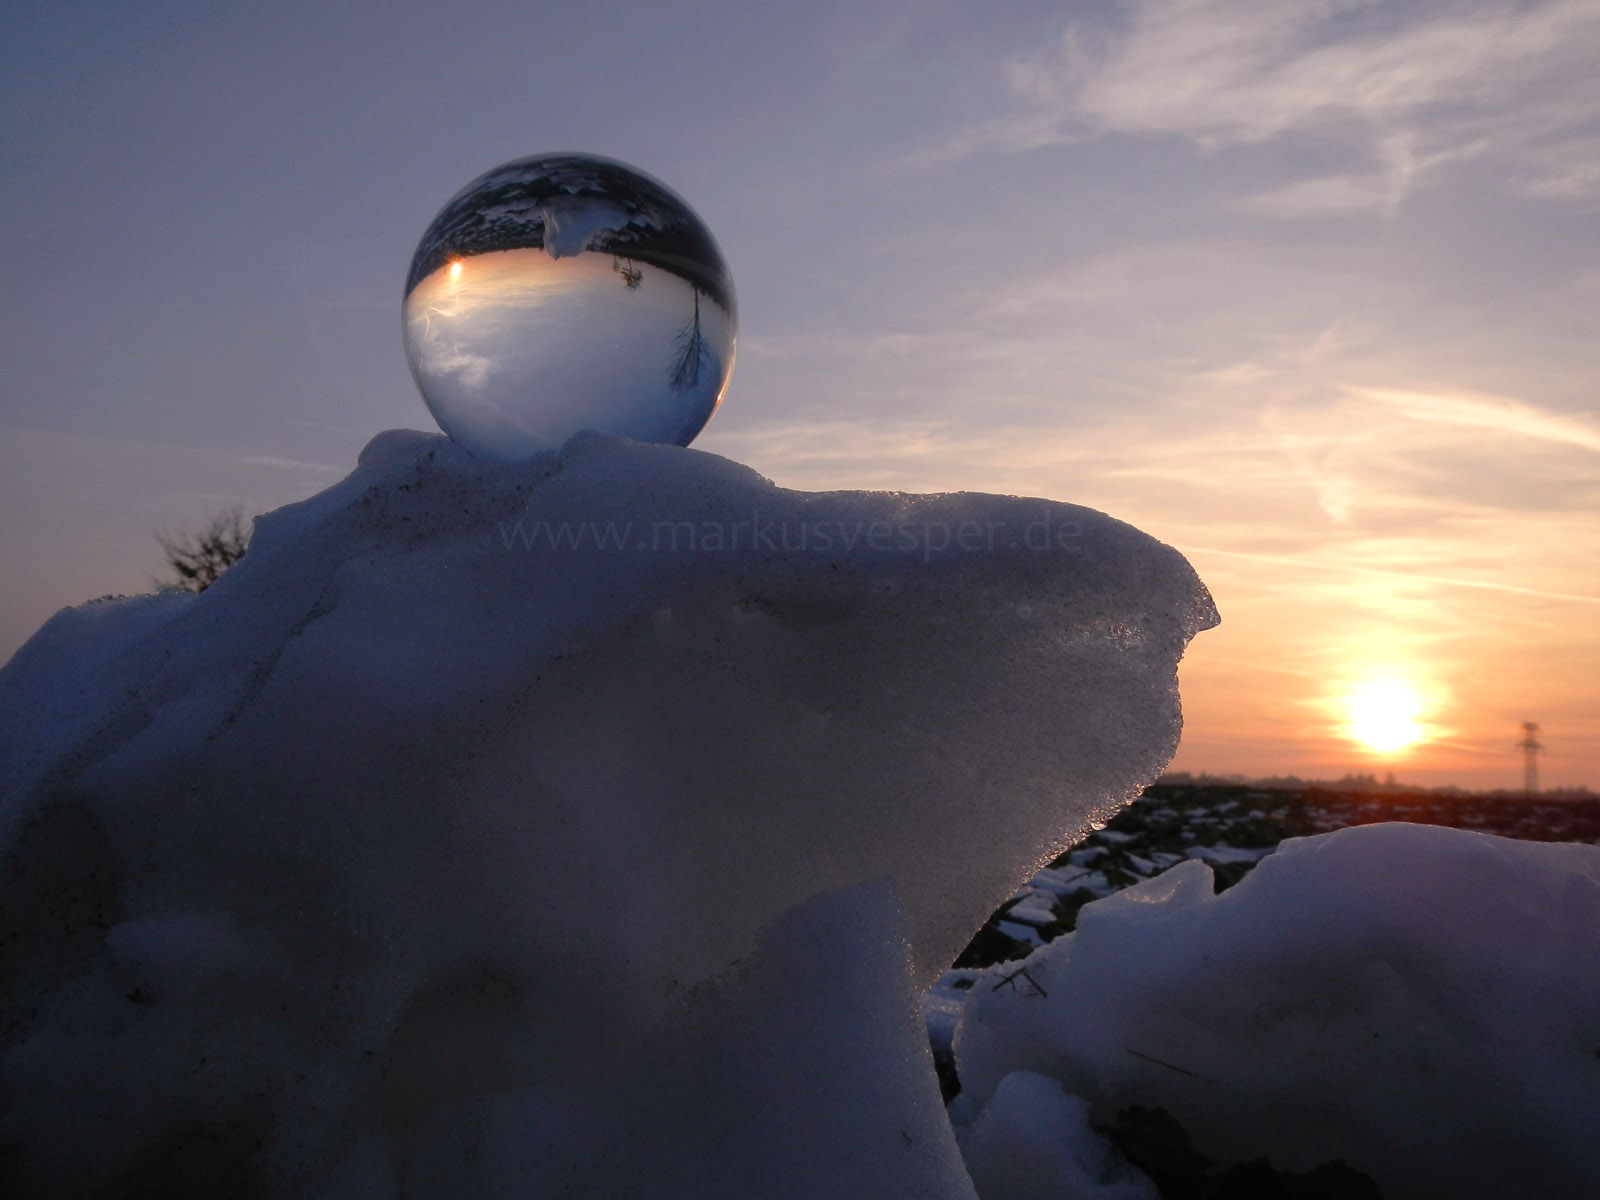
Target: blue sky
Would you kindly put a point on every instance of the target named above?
(1308, 290)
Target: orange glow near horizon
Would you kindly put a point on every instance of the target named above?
(455, 270)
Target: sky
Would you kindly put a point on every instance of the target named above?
(1309, 291)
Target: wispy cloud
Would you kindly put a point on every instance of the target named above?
(1571, 173)
(1413, 578)
(1224, 71)
(293, 464)
(1498, 414)
(1379, 190)
(1411, 88)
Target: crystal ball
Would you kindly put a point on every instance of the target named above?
(565, 292)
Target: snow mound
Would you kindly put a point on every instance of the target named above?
(1032, 1141)
(552, 827)
(1417, 1001)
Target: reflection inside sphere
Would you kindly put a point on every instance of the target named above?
(564, 293)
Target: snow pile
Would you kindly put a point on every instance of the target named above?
(547, 828)
(1423, 1003)
(1032, 1141)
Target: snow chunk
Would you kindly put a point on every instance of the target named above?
(1032, 1141)
(307, 879)
(1415, 1000)
(1227, 855)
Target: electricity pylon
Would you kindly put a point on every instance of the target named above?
(1530, 750)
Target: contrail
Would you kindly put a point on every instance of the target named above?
(1482, 585)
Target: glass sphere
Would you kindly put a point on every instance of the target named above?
(566, 292)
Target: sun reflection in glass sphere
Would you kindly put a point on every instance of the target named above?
(565, 292)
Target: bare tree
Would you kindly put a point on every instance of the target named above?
(692, 352)
(195, 560)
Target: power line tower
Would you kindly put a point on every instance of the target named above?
(1530, 758)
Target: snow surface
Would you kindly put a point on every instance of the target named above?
(569, 225)
(1421, 1002)
(1032, 1141)
(309, 883)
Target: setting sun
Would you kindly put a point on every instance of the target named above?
(1383, 715)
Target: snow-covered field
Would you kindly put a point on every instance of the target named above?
(1232, 826)
(594, 826)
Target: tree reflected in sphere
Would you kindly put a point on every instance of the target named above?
(566, 292)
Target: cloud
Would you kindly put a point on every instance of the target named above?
(1498, 414)
(1389, 458)
(1224, 71)
(1572, 174)
(1409, 87)
(1380, 190)
(1410, 578)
